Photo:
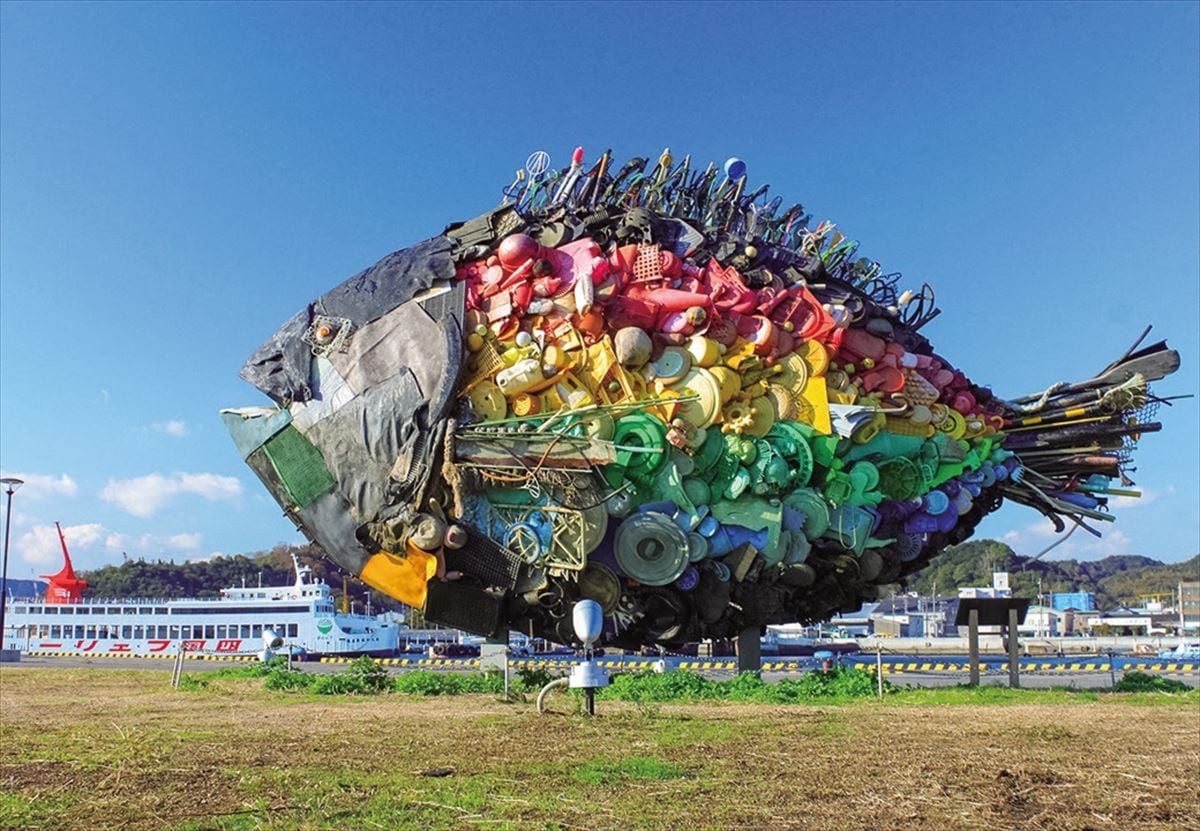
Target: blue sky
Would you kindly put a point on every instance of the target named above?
(176, 180)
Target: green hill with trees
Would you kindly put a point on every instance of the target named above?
(1114, 580)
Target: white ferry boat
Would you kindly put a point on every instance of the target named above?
(302, 614)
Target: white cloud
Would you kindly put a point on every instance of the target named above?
(92, 545)
(40, 545)
(1034, 539)
(212, 555)
(172, 427)
(42, 485)
(145, 496)
(186, 542)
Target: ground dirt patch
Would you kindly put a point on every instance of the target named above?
(100, 749)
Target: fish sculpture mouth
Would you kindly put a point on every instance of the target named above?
(649, 387)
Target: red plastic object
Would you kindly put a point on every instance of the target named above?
(516, 249)
(64, 586)
(671, 300)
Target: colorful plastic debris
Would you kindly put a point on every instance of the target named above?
(655, 391)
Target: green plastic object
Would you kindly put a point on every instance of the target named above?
(815, 510)
(651, 549)
(640, 430)
(884, 446)
(300, 466)
(838, 487)
(709, 453)
(697, 490)
(788, 440)
(850, 526)
(900, 478)
(755, 514)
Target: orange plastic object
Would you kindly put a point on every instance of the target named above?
(404, 578)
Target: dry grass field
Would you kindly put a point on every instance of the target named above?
(99, 749)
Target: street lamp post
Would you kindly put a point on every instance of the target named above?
(10, 487)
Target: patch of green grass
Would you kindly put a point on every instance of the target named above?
(18, 810)
(631, 769)
(1145, 682)
(839, 684)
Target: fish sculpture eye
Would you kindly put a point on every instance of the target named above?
(647, 386)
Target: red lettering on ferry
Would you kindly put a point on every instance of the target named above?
(161, 645)
(48, 645)
(193, 646)
(229, 645)
(120, 647)
(90, 645)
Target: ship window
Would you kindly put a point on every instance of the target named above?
(20, 610)
(83, 610)
(66, 610)
(222, 631)
(114, 610)
(293, 630)
(137, 633)
(129, 610)
(175, 632)
(90, 632)
(102, 632)
(126, 631)
(209, 631)
(185, 632)
(145, 610)
(256, 631)
(161, 632)
(245, 630)
(159, 610)
(37, 610)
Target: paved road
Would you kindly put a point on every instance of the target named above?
(948, 675)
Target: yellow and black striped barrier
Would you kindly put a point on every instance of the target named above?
(191, 656)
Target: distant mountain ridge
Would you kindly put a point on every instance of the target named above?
(1114, 580)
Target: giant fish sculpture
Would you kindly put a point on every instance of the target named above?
(648, 387)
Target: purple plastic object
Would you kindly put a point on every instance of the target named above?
(921, 523)
(947, 521)
(688, 580)
(793, 520)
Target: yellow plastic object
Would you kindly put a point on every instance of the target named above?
(762, 417)
(729, 382)
(706, 409)
(489, 401)
(784, 401)
(403, 578)
(815, 355)
(554, 356)
(908, 427)
(741, 352)
(814, 406)
(955, 425)
(705, 352)
(793, 374)
(737, 417)
(526, 405)
(868, 430)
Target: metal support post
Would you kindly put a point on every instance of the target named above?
(1014, 660)
(749, 649)
(973, 646)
